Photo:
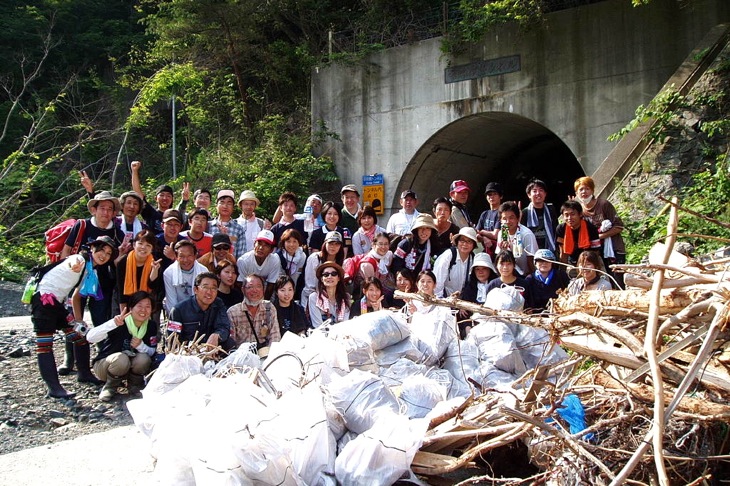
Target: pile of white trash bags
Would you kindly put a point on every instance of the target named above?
(345, 405)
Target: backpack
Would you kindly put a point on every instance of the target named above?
(34, 278)
(56, 236)
(351, 266)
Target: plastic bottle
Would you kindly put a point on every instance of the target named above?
(517, 245)
(308, 219)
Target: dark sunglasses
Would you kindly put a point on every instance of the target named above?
(330, 274)
(222, 247)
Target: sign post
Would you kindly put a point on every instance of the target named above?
(373, 192)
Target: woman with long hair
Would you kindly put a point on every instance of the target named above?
(589, 279)
(332, 251)
(291, 315)
(415, 251)
(332, 216)
(373, 298)
(405, 281)
(330, 302)
(138, 270)
(228, 292)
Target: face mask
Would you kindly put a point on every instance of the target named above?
(585, 201)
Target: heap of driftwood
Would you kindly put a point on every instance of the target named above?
(652, 373)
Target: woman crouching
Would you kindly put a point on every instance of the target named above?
(127, 344)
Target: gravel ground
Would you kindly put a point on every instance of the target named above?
(27, 417)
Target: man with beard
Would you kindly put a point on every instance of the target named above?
(179, 276)
(261, 261)
(254, 320)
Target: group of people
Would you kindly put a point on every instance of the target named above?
(246, 280)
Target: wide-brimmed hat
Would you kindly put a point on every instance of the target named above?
(104, 196)
(248, 195)
(267, 237)
(106, 240)
(483, 260)
(333, 236)
(467, 232)
(133, 194)
(324, 266)
(423, 221)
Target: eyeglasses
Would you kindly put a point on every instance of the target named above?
(330, 274)
(222, 247)
(208, 289)
(382, 244)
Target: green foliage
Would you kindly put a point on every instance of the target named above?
(16, 259)
(661, 111)
(282, 161)
(479, 17)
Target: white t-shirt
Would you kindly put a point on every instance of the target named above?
(400, 223)
(269, 271)
(453, 280)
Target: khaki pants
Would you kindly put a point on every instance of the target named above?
(120, 365)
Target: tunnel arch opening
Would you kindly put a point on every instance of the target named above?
(491, 147)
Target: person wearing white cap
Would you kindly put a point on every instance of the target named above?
(481, 273)
(452, 266)
(248, 202)
(225, 223)
(261, 261)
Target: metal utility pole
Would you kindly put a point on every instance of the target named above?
(174, 139)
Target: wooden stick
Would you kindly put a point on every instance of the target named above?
(572, 443)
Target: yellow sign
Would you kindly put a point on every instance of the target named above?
(373, 192)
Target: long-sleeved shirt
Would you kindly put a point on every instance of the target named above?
(187, 318)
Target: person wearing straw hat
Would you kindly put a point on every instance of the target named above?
(103, 208)
(251, 224)
(415, 250)
(452, 266)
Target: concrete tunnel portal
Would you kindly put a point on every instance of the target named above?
(492, 146)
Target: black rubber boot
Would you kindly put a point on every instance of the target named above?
(68, 358)
(47, 366)
(85, 374)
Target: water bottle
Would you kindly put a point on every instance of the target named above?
(505, 233)
(308, 219)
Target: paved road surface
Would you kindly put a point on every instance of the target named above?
(117, 457)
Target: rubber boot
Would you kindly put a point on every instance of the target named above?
(47, 366)
(135, 384)
(110, 387)
(68, 358)
(85, 375)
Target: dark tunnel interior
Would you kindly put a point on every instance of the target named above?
(494, 146)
